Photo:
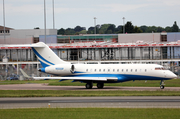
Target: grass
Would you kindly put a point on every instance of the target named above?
(7, 82)
(70, 93)
(169, 83)
(90, 113)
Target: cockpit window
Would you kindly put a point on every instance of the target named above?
(160, 68)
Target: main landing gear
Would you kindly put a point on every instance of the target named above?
(162, 84)
(89, 85)
(100, 85)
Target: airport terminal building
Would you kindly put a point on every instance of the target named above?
(160, 48)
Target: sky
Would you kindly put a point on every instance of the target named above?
(28, 14)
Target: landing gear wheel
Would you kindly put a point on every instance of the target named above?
(100, 85)
(89, 86)
(162, 87)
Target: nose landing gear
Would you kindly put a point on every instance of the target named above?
(162, 84)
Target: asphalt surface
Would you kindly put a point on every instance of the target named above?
(46, 87)
(76, 102)
(84, 102)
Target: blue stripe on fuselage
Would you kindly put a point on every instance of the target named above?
(43, 64)
(121, 77)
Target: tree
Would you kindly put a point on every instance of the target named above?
(168, 29)
(151, 29)
(69, 31)
(61, 31)
(160, 29)
(119, 29)
(103, 28)
(129, 28)
(144, 28)
(111, 29)
(79, 28)
(90, 30)
(137, 30)
(83, 32)
(175, 27)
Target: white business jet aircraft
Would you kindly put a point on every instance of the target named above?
(96, 73)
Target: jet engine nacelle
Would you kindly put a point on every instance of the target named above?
(60, 69)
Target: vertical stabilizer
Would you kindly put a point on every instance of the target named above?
(46, 56)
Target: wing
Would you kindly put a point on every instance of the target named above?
(79, 78)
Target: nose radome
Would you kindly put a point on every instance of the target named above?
(172, 75)
(175, 76)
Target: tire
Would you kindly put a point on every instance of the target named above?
(162, 87)
(100, 85)
(89, 86)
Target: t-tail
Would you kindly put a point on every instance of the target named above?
(46, 56)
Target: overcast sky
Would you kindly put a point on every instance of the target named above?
(28, 14)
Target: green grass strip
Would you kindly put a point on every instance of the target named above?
(137, 83)
(70, 93)
(90, 113)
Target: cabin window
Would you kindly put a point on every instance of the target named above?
(104, 70)
(108, 70)
(131, 70)
(99, 70)
(136, 70)
(122, 70)
(86, 69)
(94, 70)
(126, 70)
(145, 70)
(117, 70)
(113, 70)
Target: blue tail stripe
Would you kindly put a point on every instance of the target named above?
(41, 56)
(43, 64)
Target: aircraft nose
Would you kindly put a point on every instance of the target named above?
(172, 75)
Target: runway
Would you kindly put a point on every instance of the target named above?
(84, 102)
(46, 87)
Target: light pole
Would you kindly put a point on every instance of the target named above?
(53, 14)
(45, 19)
(95, 25)
(123, 25)
(5, 38)
(4, 22)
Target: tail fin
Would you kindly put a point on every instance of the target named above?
(46, 56)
